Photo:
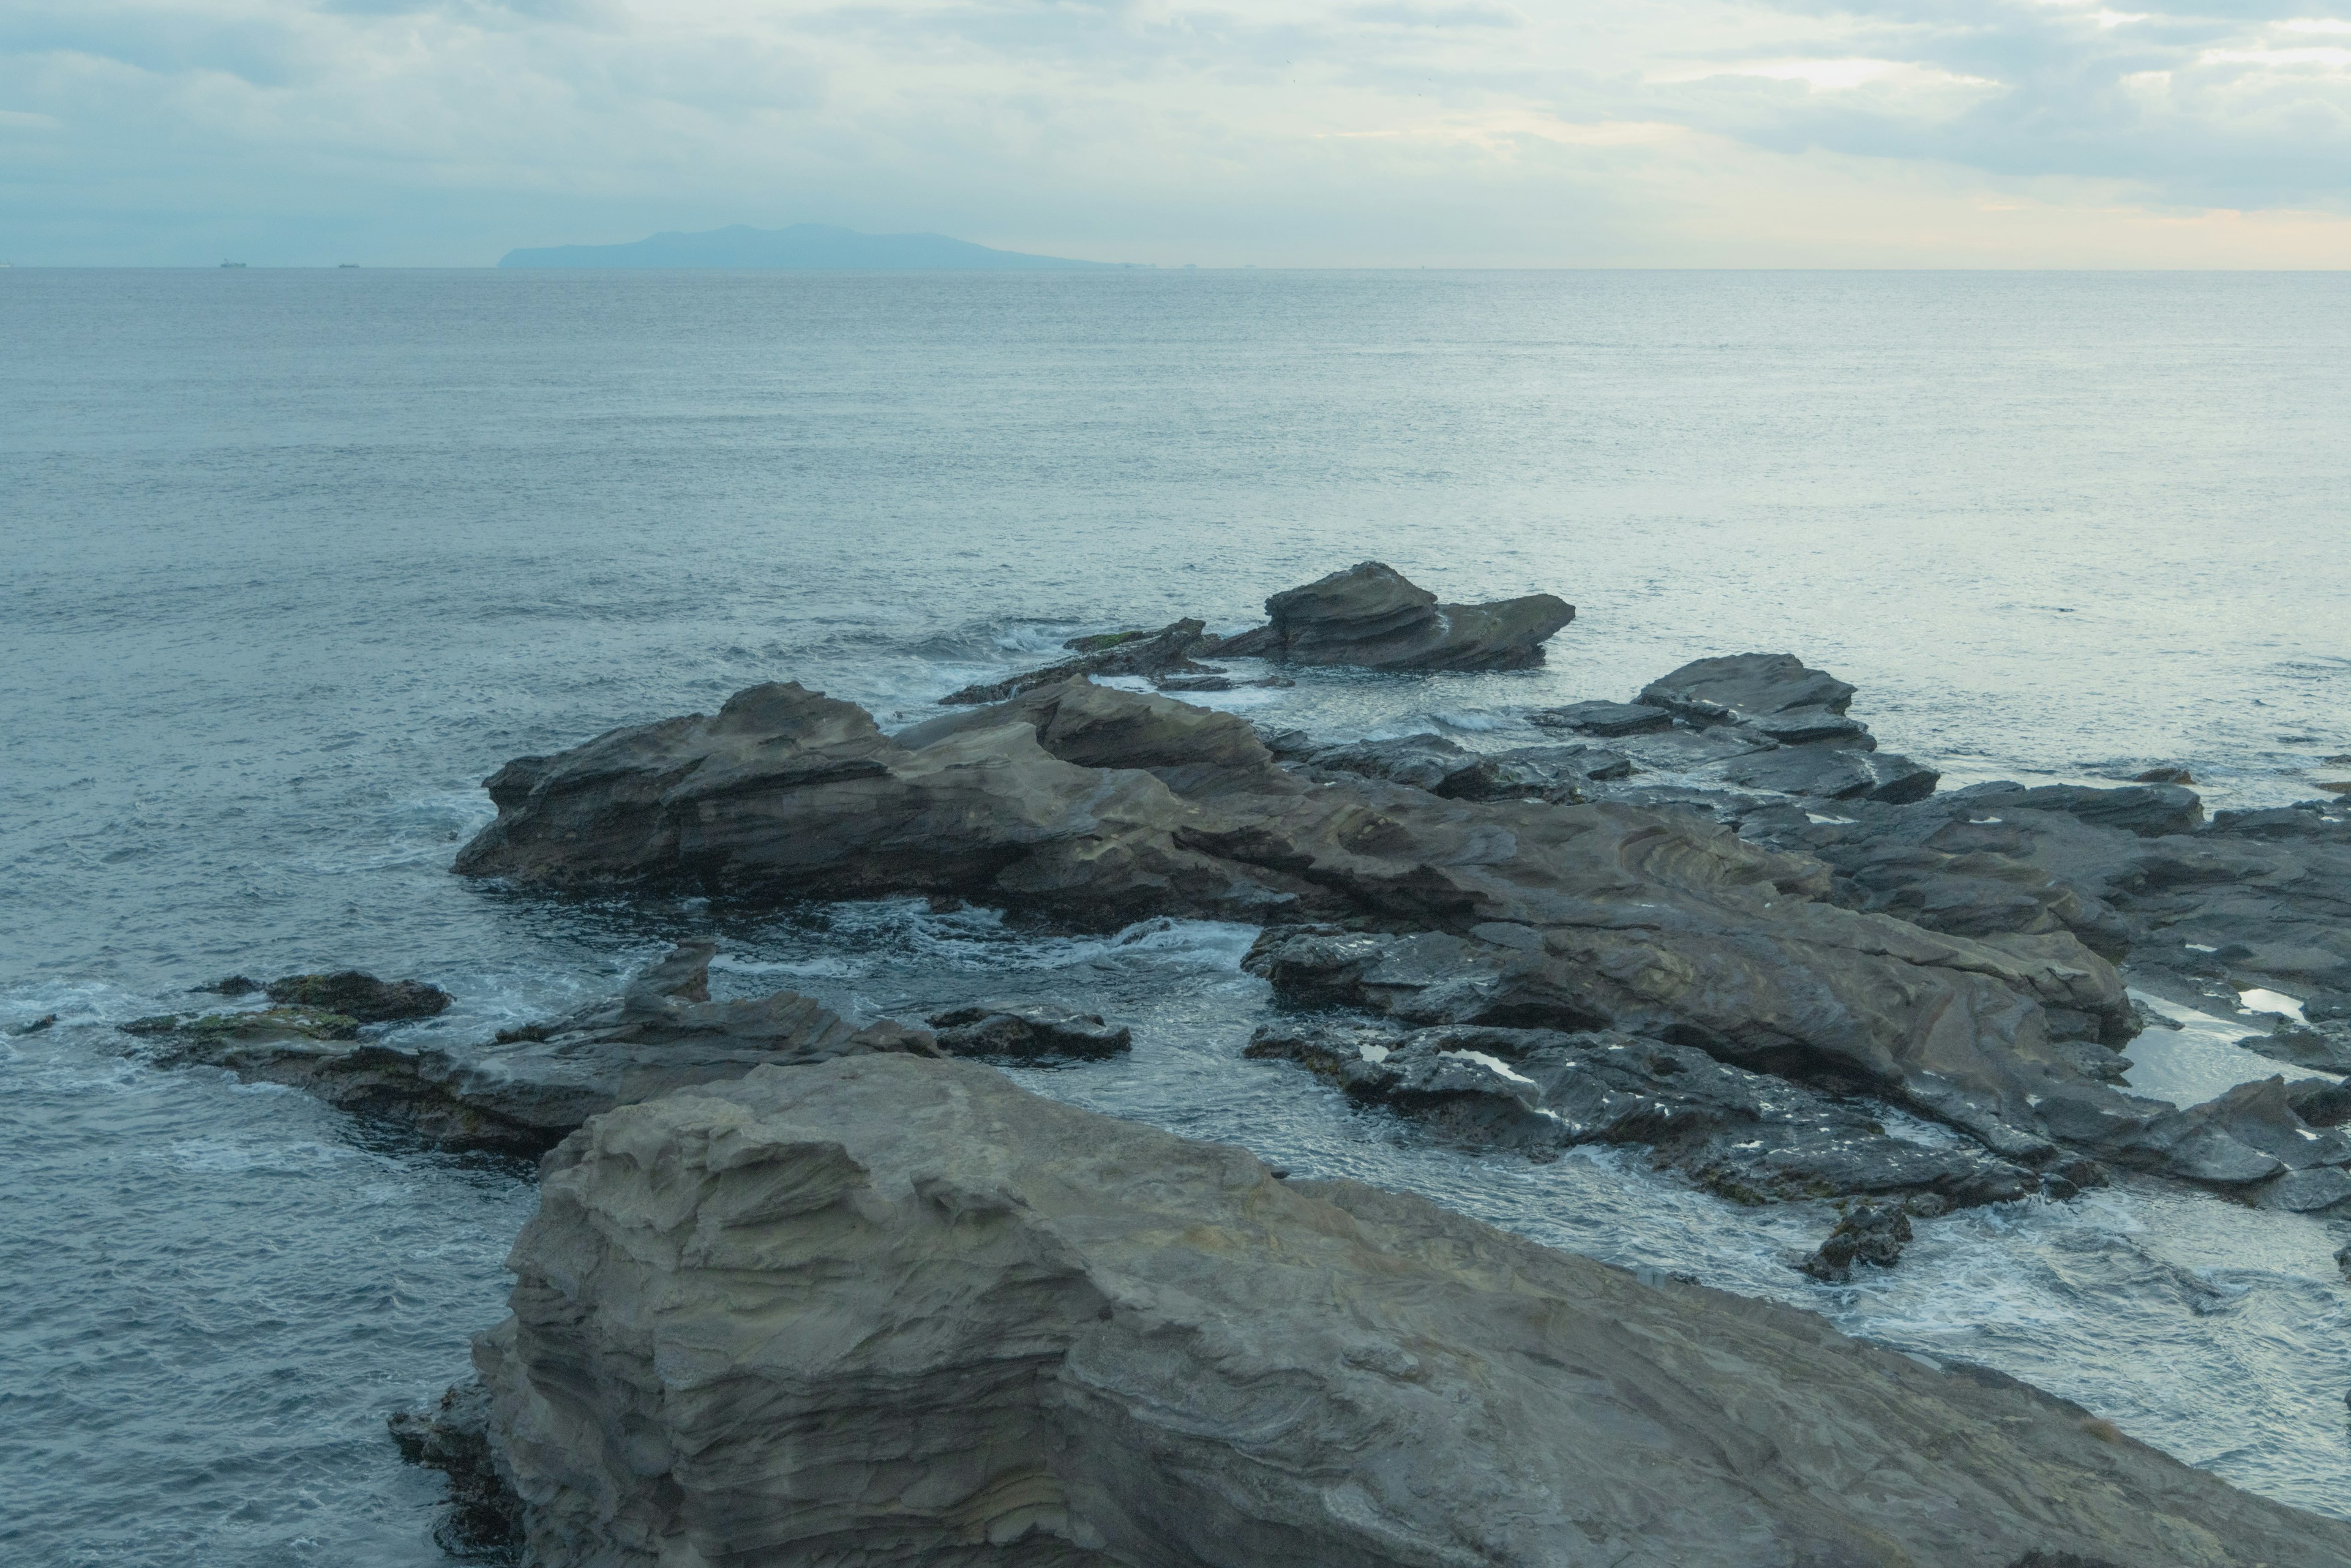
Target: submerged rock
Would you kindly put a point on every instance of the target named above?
(360, 995)
(1605, 718)
(1369, 615)
(522, 1093)
(484, 1517)
(1027, 1032)
(886, 1310)
(1744, 1135)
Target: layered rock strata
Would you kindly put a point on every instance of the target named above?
(1370, 615)
(1744, 1135)
(894, 1310)
(2263, 1139)
(523, 1092)
(1104, 807)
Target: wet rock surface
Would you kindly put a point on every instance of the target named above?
(1370, 615)
(483, 1521)
(1744, 1135)
(1868, 1233)
(1022, 1033)
(887, 1309)
(524, 1092)
(359, 996)
(1105, 806)
(1164, 654)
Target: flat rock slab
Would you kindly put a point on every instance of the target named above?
(1370, 615)
(524, 1092)
(889, 1310)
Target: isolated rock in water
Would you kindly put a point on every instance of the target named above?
(1371, 616)
(892, 1311)
(1604, 718)
(1104, 807)
(1025, 1033)
(359, 996)
(1165, 652)
(523, 1092)
(1873, 1233)
(231, 986)
(1745, 1136)
(1778, 694)
(47, 1021)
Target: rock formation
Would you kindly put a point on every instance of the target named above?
(1021, 1032)
(894, 1310)
(1102, 806)
(1744, 1135)
(359, 996)
(1166, 653)
(1369, 615)
(523, 1092)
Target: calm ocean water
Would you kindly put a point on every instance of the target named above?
(293, 559)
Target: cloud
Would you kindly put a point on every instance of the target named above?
(1379, 132)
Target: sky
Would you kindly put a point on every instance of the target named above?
(1973, 133)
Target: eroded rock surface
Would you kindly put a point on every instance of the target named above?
(1164, 654)
(358, 995)
(894, 1310)
(1370, 615)
(1105, 806)
(1027, 1032)
(1747, 1137)
(521, 1093)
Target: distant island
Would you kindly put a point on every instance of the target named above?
(803, 246)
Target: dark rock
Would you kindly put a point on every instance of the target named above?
(1743, 1135)
(1605, 718)
(1871, 1233)
(2164, 775)
(2301, 1045)
(2342, 1261)
(1371, 616)
(1027, 1033)
(363, 996)
(1104, 807)
(1446, 768)
(485, 1517)
(232, 986)
(895, 1310)
(1824, 773)
(47, 1021)
(522, 1093)
(1754, 689)
(2149, 810)
(1165, 652)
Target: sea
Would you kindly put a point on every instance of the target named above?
(293, 559)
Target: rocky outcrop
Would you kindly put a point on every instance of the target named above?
(524, 1092)
(1871, 1233)
(1164, 654)
(1746, 1137)
(2244, 1141)
(1025, 1032)
(894, 1310)
(360, 995)
(1104, 807)
(1369, 615)
(2251, 901)
(484, 1518)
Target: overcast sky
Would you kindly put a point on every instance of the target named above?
(1389, 133)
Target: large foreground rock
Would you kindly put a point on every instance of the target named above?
(524, 1092)
(889, 1311)
(1370, 615)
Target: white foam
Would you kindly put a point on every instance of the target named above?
(1495, 1062)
